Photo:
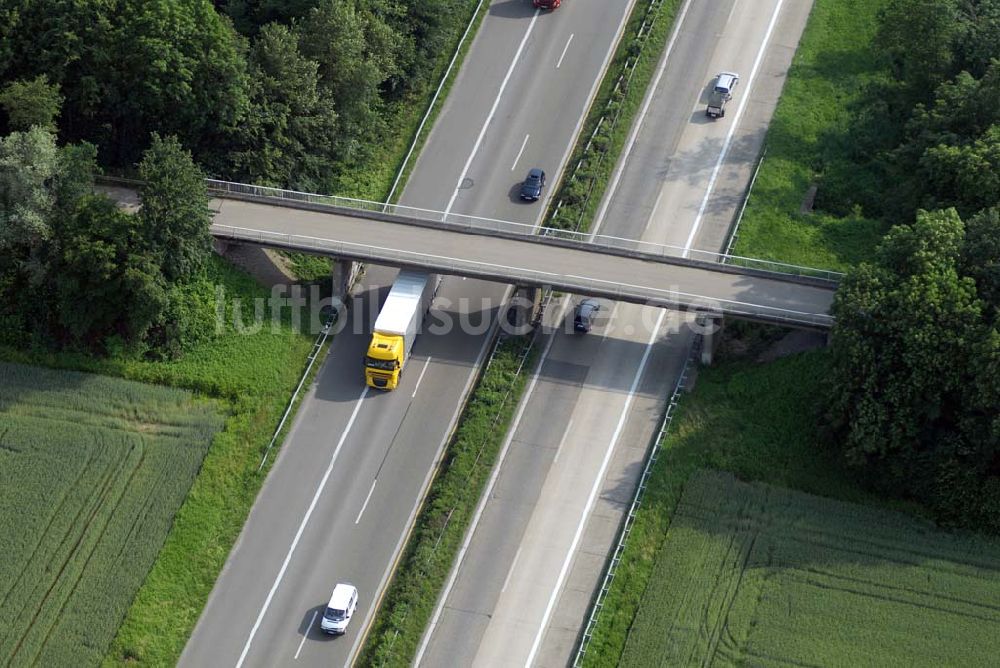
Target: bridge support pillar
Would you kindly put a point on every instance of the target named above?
(343, 275)
(710, 328)
(523, 310)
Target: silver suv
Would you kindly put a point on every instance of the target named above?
(725, 82)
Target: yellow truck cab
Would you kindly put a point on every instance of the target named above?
(397, 326)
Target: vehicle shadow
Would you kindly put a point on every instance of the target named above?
(512, 9)
(309, 626)
(514, 194)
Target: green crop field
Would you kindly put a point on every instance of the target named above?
(761, 575)
(92, 470)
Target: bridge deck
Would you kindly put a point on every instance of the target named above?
(565, 265)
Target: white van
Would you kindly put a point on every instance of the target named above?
(343, 603)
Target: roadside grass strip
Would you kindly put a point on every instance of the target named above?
(754, 574)
(809, 143)
(615, 105)
(430, 552)
(92, 470)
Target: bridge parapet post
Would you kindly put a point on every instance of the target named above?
(710, 328)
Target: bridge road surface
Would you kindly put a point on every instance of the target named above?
(521, 596)
(344, 455)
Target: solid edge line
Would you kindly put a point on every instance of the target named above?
(744, 99)
(489, 116)
(595, 488)
(302, 526)
(637, 123)
(431, 474)
(487, 492)
(575, 137)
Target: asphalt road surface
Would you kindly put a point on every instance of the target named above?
(345, 486)
(522, 591)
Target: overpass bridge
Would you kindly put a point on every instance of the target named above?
(601, 266)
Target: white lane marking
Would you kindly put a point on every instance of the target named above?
(593, 490)
(471, 530)
(513, 564)
(569, 425)
(732, 129)
(302, 527)
(565, 48)
(421, 377)
(637, 125)
(489, 117)
(416, 504)
(367, 499)
(523, 144)
(305, 635)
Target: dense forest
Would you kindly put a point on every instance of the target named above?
(287, 93)
(914, 400)
(298, 93)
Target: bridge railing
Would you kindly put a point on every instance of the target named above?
(462, 221)
(666, 296)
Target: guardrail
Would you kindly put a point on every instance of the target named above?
(667, 297)
(466, 222)
(651, 456)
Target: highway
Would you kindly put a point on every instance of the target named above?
(522, 591)
(344, 488)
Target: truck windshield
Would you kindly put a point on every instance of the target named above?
(385, 365)
(334, 615)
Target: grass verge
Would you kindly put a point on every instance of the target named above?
(750, 573)
(430, 552)
(252, 375)
(611, 114)
(809, 143)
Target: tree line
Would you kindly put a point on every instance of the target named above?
(287, 93)
(77, 271)
(913, 402)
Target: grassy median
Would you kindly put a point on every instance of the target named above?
(611, 114)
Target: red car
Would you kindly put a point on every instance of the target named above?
(546, 4)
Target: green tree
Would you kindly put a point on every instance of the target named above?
(175, 217)
(106, 285)
(911, 403)
(289, 134)
(28, 163)
(918, 36)
(29, 103)
(356, 53)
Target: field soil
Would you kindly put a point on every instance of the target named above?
(755, 574)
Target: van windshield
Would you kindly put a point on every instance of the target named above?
(334, 615)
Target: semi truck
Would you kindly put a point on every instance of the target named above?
(397, 326)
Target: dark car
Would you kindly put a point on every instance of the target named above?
(586, 311)
(531, 189)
